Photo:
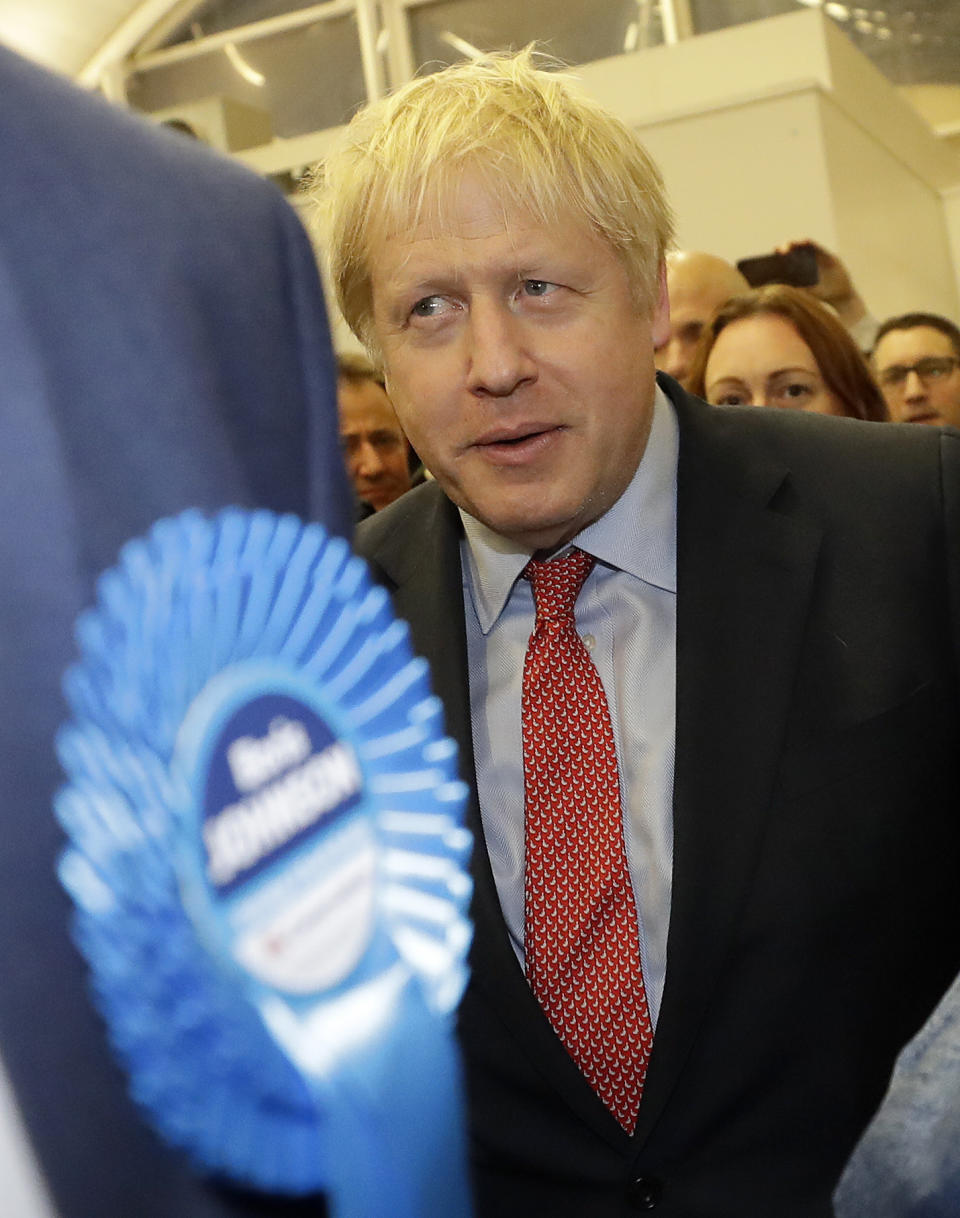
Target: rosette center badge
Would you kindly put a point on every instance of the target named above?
(268, 861)
(289, 855)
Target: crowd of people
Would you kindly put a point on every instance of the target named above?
(823, 329)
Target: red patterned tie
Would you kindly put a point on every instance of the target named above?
(581, 940)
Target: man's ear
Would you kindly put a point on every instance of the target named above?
(660, 321)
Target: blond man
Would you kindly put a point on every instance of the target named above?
(677, 645)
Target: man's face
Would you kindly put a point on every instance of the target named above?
(929, 393)
(697, 284)
(517, 363)
(374, 447)
(688, 316)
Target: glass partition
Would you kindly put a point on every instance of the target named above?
(307, 79)
(309, 65)
(576, 31)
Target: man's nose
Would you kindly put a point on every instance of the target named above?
(499, 361)
(367, 461)
(913, 387)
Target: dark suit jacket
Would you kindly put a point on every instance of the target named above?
(816, 909)
(163, 344)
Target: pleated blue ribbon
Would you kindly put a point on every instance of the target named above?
(268, 862)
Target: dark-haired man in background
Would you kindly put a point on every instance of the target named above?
(374, 447)
(916, 361)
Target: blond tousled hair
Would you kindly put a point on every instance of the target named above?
(542, 145)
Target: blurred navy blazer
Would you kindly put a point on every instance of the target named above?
(163, 343)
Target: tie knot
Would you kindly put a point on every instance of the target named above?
(557, 582)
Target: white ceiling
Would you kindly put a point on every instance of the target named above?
(63, 34)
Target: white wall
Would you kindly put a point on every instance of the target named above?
(779, 130)
(747, 178)
(891, 225)
(782, 129)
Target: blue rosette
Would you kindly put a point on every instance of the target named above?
(268, 864)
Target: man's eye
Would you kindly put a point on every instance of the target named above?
(538, 287)
(429, 306)
(691, 332)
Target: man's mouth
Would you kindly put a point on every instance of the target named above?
(517, 445)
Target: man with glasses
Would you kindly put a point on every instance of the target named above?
(916, 361)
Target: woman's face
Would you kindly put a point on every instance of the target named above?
(763, 361)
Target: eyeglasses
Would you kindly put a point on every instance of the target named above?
(932, 368)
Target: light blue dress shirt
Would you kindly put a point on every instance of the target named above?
(626, 615)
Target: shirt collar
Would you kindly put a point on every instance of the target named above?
(638, 534)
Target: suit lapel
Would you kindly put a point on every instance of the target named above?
(745, 559)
